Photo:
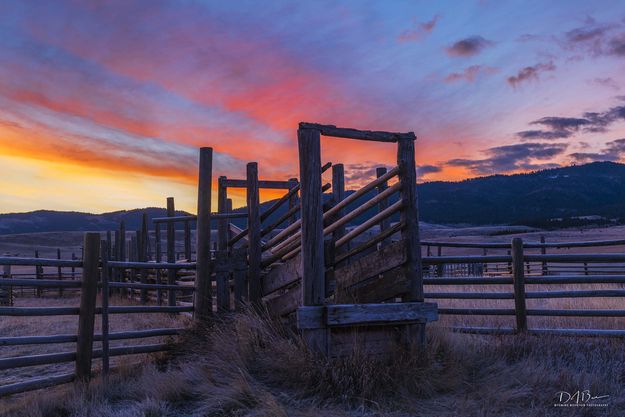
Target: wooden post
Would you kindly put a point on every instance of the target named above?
(203, 301)
(84, 345)
(222, 224)
(383, 204)
(313, 264)
(143, 255)
(73, 267)
(38, 275)
(338, 194)
(409, 215)
(59, 271)
(122, 254)
(518, 279)
(159, 258)
(543, 251)
(254, 250)
(187, 240)
(440, 268)
(171, 251)
(293, 202)
(104, 317)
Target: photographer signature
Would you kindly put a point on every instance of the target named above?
(578, 397)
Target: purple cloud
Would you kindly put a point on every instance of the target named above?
(419, 31)
(530, 73)
(468, 47)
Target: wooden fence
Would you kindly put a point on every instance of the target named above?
(309, 259)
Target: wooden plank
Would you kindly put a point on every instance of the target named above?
(287, 302)
(203, 299)
(35, 384)
(383, 204)
(360, 314)
(391, 284)
(378, 136)
(313, 274)
(143, 254)
(86, 319)
(370, 265)
(171, 250)
(371, 242)
(254, 251)
(410, 218)
(311, 317)
(282, 275)
(104, 317)
(338, 195)
(222, 224)
(518, 278)
(267, 184)
(222, 275)
(369, 223)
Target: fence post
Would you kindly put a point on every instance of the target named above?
(518, 279)
(313, 266)
(105, 250)
(187, 240)
(157, 233)
(414, 334)
(293, 202)
(88, 293)
(383, 204)
(171, 251)
(543, 251)
(38, 275)
(121, 272)
(338, 194)
(143, 255)
(253, 224)
(203, 301)
(59, 271)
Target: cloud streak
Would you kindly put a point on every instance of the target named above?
(468, 47)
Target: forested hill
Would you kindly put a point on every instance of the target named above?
(556, 197)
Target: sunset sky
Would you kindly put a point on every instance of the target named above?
(104, 104)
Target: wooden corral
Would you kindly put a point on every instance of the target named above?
(346, 284)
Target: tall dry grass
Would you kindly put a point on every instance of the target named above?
(249, 365)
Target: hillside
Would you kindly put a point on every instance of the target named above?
(534, 199)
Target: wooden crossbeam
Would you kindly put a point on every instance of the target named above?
(341, 132)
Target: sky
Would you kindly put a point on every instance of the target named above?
(104, 104)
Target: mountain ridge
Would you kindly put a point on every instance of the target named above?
(537, 198)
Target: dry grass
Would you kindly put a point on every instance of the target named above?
(252, 366)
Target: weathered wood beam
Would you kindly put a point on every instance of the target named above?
(378, 136)
(203, 299)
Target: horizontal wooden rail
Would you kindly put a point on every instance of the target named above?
(361, 228)
(39, 311)
(36, 383)
(151, 265)
(581, 257)
(174, 219)
(66, 263)
(471, 295)
(527, 245)
(467, 281)
(575, 294)
(575, 313)
(576, 279)
(478, 311)
(147, 309)
(468, 259)
(267, 184)
(150, 286)
(55, 283)
(331, 130)
(69, 338)
(371, 242)
(537, 332)
(34, 360)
